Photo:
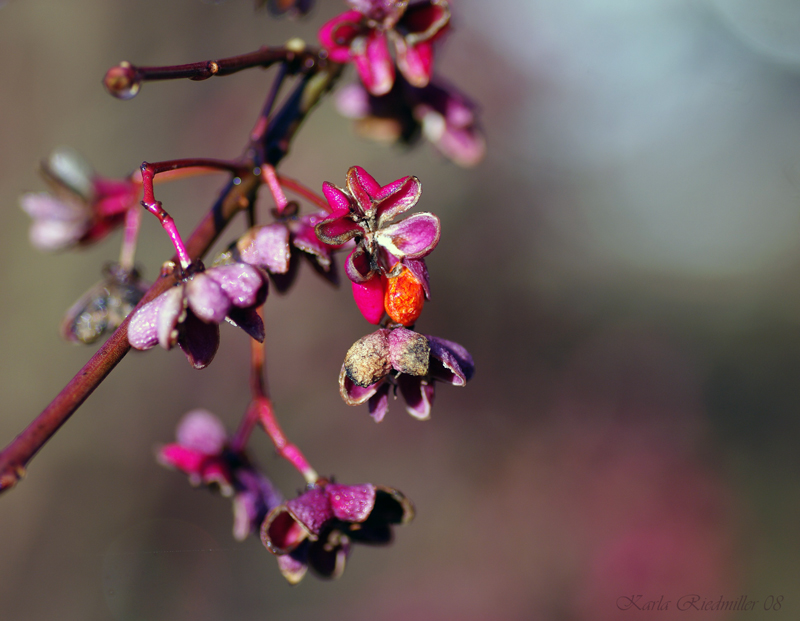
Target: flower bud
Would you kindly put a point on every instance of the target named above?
(122, 82)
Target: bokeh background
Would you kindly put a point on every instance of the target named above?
(624, 267)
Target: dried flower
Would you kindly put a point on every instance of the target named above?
(363, 212)
(189, 313)
(202, 452)
(445, 117)
(82, 207)
(291, 8)
(315, 529)
(104, 307)
(400, 358)
(363, 35)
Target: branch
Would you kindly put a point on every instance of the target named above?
(234, 197)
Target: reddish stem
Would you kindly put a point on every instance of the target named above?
(234, 197)
(149, 202)
(301, 190)
(261, 410)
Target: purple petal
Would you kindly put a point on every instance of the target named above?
(357, 266)
(304, 238)
(171, 313)
(199, 341)
(379, 402)
(420, 271)
(248, 320)
(143, 327)
(243, 284)
(404, 195)
(418, 395)
(351, 503)
(312, 510)
(414, 238)
(266, 246)
(201, 431)
(206, 298)
(327, 556)
(456, 366)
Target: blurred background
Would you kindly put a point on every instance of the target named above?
(624, 266)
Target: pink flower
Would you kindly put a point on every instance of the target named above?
(202, 452)
(104, 307)
(363, 212)
(395, 358)
(363, 35)
(315, 529)
(81, 208)
(189, 313)
(278, 247)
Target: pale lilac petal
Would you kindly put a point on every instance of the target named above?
(243, 284)
(143, 326)
(69, 169)
(412, 238)
(291, 568)
(201, 431)
(267, 247)
(51, 235)
(41, 205)
(199, 341)
(206, 298)
(369, 298)
(373, 62)
(352, 101)
(171, 313)
(351, 503)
